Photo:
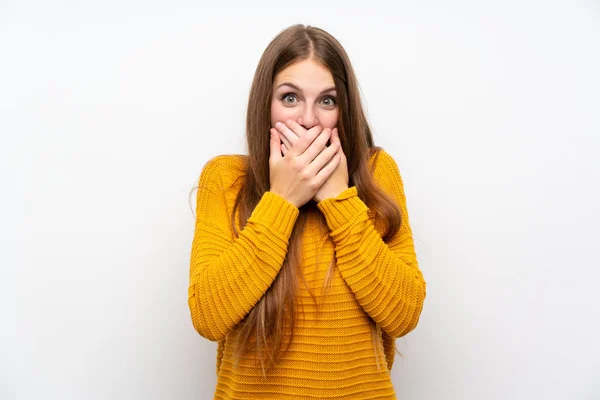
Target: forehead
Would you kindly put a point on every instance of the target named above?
(306, 73)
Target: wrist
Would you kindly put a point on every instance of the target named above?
(331, 194)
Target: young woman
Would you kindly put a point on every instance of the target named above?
(303, 265)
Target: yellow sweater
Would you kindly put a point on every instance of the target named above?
(331, 355)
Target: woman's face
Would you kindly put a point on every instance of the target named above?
(305, 92)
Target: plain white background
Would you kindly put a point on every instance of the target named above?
(109, 110)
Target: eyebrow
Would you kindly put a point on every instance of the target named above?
(300, 90)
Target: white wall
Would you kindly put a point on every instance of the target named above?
(108, 112)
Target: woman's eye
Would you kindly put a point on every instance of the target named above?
(286, 96)
(329, 101)
(333, 102)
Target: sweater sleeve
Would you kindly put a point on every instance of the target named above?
(384, 277)
(228, 275)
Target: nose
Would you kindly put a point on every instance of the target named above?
(308, 119)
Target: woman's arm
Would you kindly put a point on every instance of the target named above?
(229, 276)
(385, 277)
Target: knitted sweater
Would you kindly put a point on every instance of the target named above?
(331, 354)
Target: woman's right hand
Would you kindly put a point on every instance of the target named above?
(299, 174)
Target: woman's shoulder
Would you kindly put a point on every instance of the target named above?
(228, 161)
(381, 161)
(227, 168)
(385, 171)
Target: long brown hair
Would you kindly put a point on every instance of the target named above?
(267, 323)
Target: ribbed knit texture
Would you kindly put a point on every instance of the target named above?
(332, 354)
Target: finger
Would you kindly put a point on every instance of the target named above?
(284, 149)
(321, 159)
(306, 140)
(336, 136)
(286, 132)
(328, 169)
(309, 150)
(274, 145)
(285, 141)
(295, 127)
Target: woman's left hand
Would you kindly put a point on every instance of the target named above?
(338, 180)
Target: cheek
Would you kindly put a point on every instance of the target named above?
(329, 119)
(278, 113)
